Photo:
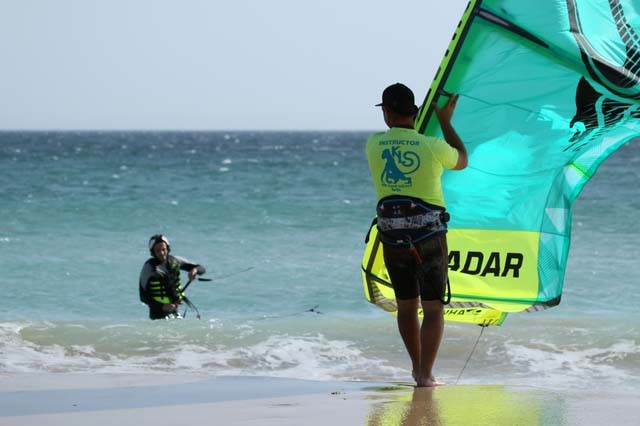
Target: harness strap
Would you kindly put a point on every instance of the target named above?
(405, 221)
(415, 254)
(402, 221)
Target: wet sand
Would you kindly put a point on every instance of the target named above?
(87, 399)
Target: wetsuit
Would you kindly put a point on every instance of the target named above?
(160, 283)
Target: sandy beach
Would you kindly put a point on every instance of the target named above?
(86, 399)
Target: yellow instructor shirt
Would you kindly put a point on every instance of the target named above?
(405, 162)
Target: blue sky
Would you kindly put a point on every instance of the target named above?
(214, 65)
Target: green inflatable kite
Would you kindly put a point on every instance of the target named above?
(548, 90)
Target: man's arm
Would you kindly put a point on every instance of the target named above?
(145, 274)
(192, 268)
(444, 117)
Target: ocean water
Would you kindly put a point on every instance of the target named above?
(278, 220)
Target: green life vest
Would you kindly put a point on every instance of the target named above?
(166, 287)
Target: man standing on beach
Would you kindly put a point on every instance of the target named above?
(406, 169)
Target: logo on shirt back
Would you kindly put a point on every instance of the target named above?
(399, 165)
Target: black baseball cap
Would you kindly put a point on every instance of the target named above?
(399, 98)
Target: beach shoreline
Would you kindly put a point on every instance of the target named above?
(130, 399)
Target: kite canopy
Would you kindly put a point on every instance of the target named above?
(548, 90)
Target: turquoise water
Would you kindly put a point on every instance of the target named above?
(278, 220)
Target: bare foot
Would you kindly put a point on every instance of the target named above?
(431, 382)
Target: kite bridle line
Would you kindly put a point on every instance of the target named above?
(482, 327)
(190, 304)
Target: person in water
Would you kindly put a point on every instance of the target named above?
(406, 169)
(160, 286)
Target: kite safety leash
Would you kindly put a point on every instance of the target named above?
(482, 327)
(190, 305)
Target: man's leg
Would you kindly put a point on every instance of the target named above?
(430, 337)
(409, 327)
